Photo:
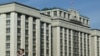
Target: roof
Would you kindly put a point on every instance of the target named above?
(18, 4)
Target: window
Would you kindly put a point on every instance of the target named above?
(18, 38)
(7, 45)
(34, 33)
(48, 13)
(7, 22)
(34, 26)
(26, 24)
(7, 15)
(47, 25)
(55, 13)
(18, 30)
(7, 30)
(8, 38)
(68, 16)
(19, 16)
(64, 14)
(7, 53)
(26, 17)
(26, 32)
(34, 19)
(60, 13)
(19, 23)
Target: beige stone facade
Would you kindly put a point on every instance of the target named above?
(52, 32)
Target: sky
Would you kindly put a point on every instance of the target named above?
(88, 8)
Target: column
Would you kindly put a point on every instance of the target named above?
(37, 37)
(50, 49)
(71, 42)
(89, 45)
(30, 36)
(86, 45)
(58, 13)
(99, 45)
(83, 43)
(79, 44)
(23, 31)
(67, 42)
(3, 34)
(45, 39)
(13, 34)
(58, 41)
(63, 41)
(95, 44)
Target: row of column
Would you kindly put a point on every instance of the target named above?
(85, 38)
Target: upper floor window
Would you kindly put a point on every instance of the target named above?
(34, 19)
(19, 16)
(7, 22)
(60, 13)
(7, 15)
(64, 14)
(26, 17)
(55, 13)
(48, 13)
(68, 16)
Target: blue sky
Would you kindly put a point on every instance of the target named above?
(89, 8)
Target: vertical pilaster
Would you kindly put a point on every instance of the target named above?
(63, 41)
(71, 42)
(79, 44)
(50, 49)
(86, 46)
(37, 37)
(67, 42)
(45, 39)
(23, 31)
(58, 41)
(83, 43)
(13, 34)
(30, 36)
(3, 34)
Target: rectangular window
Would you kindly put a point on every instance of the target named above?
(18, 38)
(18, 30)
(7, 22)
(34, 19)
(68, 16)
(19, 16)
(8, 38)
(7, 15)
(34, 26)
(7, 53)
(60, 13)
(34, 33)
(18, 22)
(64, 14)
(55, 13)
(7, 30)
(26, 17)
(26, 32)
(26, 24)
(7, 45)
(48, 13)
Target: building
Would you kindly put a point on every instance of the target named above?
(70, 31)
(95, 42)
(22, 26)
(48, 32)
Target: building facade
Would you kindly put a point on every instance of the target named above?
(95, 42)
(48, 32)
(24, 27)
(70, 33)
